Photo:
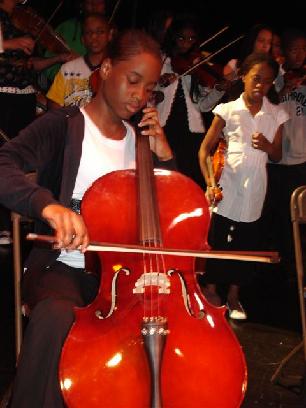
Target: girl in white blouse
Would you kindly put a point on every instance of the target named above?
(252, 127)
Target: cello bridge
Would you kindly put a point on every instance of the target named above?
(152, 279)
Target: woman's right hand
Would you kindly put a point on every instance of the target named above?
(70, 230)
(167, 79)
(213, 194)
(209, 194)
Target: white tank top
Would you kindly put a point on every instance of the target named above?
(100, 155)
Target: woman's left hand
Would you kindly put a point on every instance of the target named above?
(151, 127)
(260, 142)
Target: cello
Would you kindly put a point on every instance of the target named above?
(150, 336)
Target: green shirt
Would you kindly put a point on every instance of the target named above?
(70, 31)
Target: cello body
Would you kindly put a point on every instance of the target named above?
(108, 359)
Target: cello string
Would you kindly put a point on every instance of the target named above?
(148, 232)
(157, 240)
(158, 262)
(145, 271)
(152, 262)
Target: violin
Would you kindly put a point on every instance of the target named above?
(27, 20)
(218, 159)
(297, 75)
(207, 74)
(215, 165)
(209, 77)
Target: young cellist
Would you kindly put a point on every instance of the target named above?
(70, 148)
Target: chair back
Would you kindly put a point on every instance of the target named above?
(298, 217)
(17, 262)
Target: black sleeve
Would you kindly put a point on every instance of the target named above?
(167, 165)
(36, 146)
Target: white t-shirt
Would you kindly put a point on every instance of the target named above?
(244, 178)
(100, 155)
(294, 133)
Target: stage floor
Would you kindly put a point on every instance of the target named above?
(270, 333)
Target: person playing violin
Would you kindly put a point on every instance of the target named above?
(185, 99)
(252, 126)
(18, 69)
(18, 66)
(70, 148)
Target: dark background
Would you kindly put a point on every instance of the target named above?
(214, 15)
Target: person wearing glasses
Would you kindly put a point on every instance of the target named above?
(186, 97)
(71, 85)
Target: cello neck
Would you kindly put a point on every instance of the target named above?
(149, 225)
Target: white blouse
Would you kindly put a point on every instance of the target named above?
(244, 178)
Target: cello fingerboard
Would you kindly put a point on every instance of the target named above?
(149, 225)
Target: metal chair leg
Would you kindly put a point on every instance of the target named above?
(17, 278)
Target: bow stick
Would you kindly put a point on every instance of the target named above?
(114, 11)
(208, 58)
(213, 36)
(47, 23)
(251, 256)
(4, 136)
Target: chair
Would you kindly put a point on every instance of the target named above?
(20, 310)
(298, 217)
